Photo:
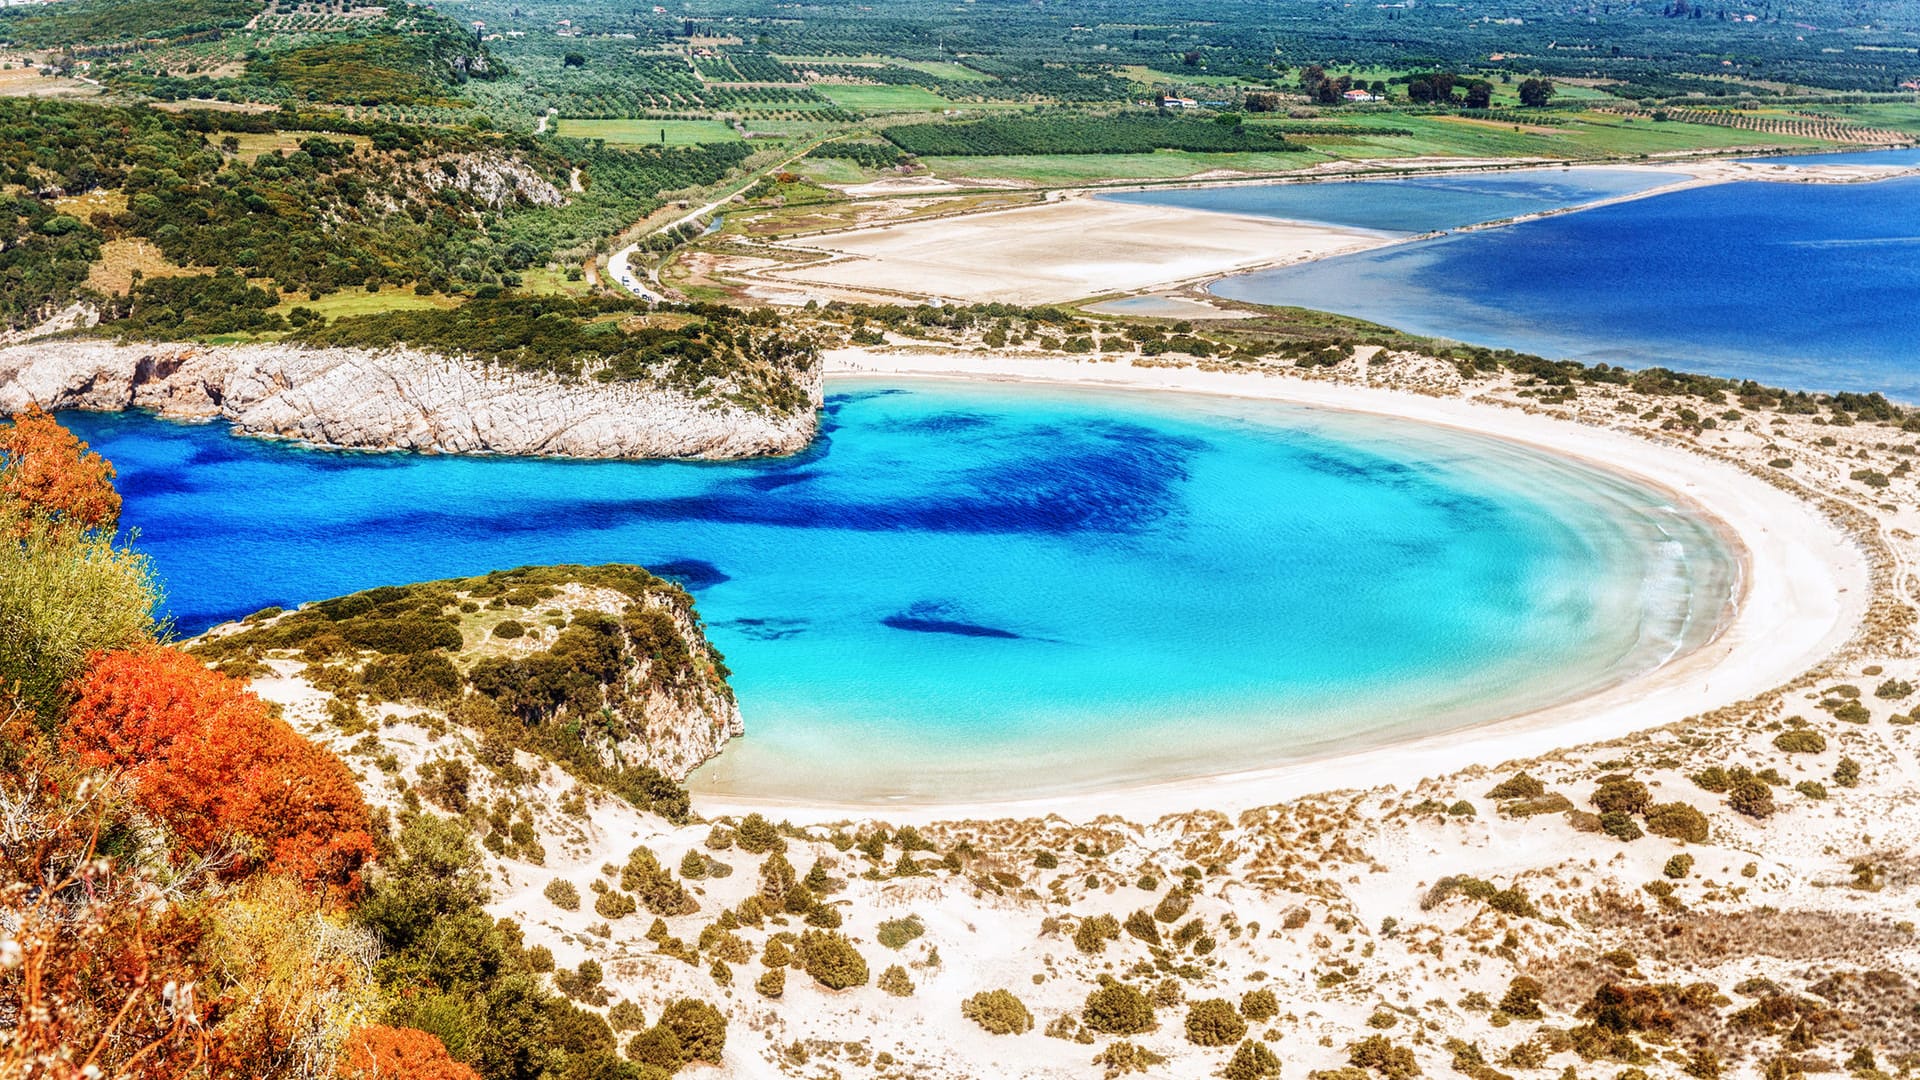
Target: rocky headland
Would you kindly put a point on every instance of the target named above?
(398, 399)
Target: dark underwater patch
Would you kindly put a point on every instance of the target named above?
(693, 574)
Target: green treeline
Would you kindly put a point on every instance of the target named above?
(1125, 133)
(446, 208)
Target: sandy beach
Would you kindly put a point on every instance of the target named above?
(1063, 250)
(1805, 588)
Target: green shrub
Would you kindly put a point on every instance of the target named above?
(1093, 933)
(1800, 741)
(772, 982)
(1621, 795)
(1620, 825)
(563, 894)
(654, 885)
(1140, 924)
(832, 960)
(1678, 867)
(1379, 1054)
(1893, 690)
(1677, 821)
(895, 982)
(1518, 786)
(508, 629)
(700, 1027)
(1752, 798)
(626, 1016)
(657, 1046)
(1046, 860)
(896, 933)
(1252, 1061)
(1812, 789)
(1117, 1009)
(1713, 778)
(1120, 1056)
(1214, 1022)
(757, 836)
(1847, 773)
(613, 904)
(1259, 1006)
(1522, 999)
(999, 1012)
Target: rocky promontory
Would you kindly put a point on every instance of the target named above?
(397, 399)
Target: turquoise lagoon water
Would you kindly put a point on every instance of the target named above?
(965, 591)
(1808, 286)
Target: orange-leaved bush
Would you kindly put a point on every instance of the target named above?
(389, 1053)
(209, 760)
(48, 476)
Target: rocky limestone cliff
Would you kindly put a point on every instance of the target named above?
(392, 400)
(596, 668)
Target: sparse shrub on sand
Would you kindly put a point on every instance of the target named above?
(1252, 1061)
(757, 836)
(1117, 1009)
(1621, 795)
(896, 933)
(895, 982)
(1800, 741)
(998, 1012)
(772, 982)
(1677, 821)
(1522, 999)
(1140, 925)
(832, 960)
(1122, 1057)
(1847, 773)
(1381, 1055)
(563, 894)
(1214, 1022)
(1620, 825)
(700, 1027)
(1092, 935)
(1752, 798)
(1518, 786)
(1259, 1006)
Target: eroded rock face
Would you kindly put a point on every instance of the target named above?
(392, 400)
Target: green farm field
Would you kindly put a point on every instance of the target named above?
(649, 132)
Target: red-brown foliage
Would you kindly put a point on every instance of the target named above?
(207, 759)
(47, 475)
(99, 972)
(387, 1053)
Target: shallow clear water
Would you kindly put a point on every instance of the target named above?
(967, 591)
(1809, 286)
(1409, 205)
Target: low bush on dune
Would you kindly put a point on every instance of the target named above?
(1214, 1022)
(1117, 1009)
(998, 1012)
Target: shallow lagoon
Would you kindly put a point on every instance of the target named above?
(969, 591)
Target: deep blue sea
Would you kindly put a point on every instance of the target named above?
(960, 590)
(1808, 286)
